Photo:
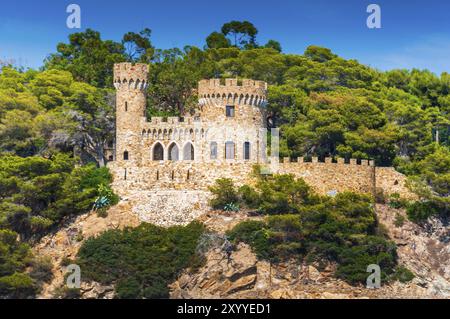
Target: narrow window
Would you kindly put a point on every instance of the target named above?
(230, 110)
(213, 150)
(188, 152)
(173, 175)
(125, 156)
(229, 150)
(188, 174)
(157, 175)
(173, 152)
(246, 150)
(125, 174)
(126, 106)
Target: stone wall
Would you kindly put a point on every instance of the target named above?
(324, 177)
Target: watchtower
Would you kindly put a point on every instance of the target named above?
(130, 81)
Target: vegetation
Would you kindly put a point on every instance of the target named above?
(55, 122)
(141, 261)
(302, 225)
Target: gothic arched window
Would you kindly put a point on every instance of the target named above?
(173, 152)
(158, 152)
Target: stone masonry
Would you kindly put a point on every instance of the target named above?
(224, 138)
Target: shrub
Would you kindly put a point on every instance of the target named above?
(283, 194)
(420, 211)
(142, 260)
(399, 220)
(41, 270)
(17, 286)
(395, 201)
(249, 196)
(225, 193)
(403, 274)
(342, 229)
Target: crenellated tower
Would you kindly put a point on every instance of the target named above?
(130, 81)
(244, 99)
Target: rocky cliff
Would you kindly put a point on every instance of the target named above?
(238, 274)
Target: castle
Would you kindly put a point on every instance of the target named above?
(224, 138)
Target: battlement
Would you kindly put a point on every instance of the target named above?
(155, 120)
(328, 160)
(131, 76)
(233, 91)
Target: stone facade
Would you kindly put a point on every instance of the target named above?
(224, 138)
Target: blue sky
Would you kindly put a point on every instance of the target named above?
(414, 33)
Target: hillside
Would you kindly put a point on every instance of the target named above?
(241, 275)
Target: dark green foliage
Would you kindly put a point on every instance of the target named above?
(403, 274)
(249, 196)
(419, 212)
(36, 193)
(143, 260)
(225, 193)
(15, 257)
(342, 229)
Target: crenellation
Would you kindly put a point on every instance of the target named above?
(222, 140)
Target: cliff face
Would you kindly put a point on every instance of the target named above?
(241, 275)
(238, 273)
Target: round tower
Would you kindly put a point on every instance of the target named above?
(236, 111)
(130, 82)
(241, 101)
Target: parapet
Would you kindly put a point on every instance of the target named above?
(329, 160)
(131, 76)
(234, 91)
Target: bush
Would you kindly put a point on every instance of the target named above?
(249, 196)
(403, 274)
(395, 201)
(283, 194)
(399, 220)
(142, 260)
(343, 230)
(41, 270)
(225, 193)
(419, 212)
(17, 286)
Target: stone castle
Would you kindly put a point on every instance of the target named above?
(224, 138)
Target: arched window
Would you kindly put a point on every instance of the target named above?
(229, 150)
(213, 150)
(158, 152)
(125, 156)
(246, 150)
(188, 152)
(173, 152)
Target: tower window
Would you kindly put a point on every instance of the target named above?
(229, 150)
(213, 150)
(230, 110)
(126, 106)
(125, 156)
(246, 150)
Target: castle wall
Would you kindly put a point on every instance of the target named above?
(324, 177)
(139, 139)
